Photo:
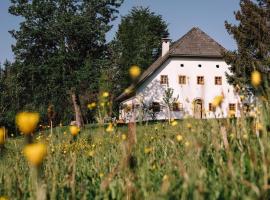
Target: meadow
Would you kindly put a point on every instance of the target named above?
(187, 159)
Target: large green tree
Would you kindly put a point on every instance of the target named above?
(137, 42)
(252, 35)
(57, 51)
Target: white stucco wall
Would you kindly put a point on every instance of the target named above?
(151, 90)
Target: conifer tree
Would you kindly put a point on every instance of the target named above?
(252, 35)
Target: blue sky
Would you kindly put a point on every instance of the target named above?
(181, 16)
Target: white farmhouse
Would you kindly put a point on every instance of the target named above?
(194, 68)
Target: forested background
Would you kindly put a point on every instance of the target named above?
(63, 61)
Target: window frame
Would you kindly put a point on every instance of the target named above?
(218, 80)
(162, 78)
(200, 82)
(232, 105)
(211, 108)
(156, 108)
(182, 79)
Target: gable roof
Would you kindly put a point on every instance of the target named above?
(195, 43)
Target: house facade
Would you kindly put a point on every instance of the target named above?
(194, 68)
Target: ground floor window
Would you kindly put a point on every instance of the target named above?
(232, 107)
(155, 106)
(211, 108)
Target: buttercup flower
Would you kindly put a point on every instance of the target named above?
(74, 130)
(256, 78)
(179, 138)
(174, 123)
(124, 136)
(105, 94)
(35, 153)
(91, 106)
(2, 135)
(27, 122)
(134, 71)
(217, 101)
(110, 128)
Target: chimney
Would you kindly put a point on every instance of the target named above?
(165, 45)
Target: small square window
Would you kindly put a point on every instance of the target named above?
(164, 79)
(217, 66)
(218, 80)
(182, 80)
(211, 107)
(182, 65)
(199, 65)
(200, 80)
(232, 107)
(155, 107)
(175, 106)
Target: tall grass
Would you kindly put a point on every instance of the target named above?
(216, 159)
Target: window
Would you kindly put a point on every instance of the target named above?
(199, 65)
(217, 66)
(182, 65)
(155, 107)
(164, 79)
(182, 80)
(232, 107)
(200, 80)
(211, 107)
(218, 80)
(175, 106)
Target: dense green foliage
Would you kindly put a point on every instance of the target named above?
(163, 166)
(58, 51)
(252, 36)
(138, 41)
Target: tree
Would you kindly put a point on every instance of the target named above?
(58, 48)
(169, 100)
(252, 36)
(138, 41)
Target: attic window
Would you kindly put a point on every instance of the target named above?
(182, 65)
(217, 66)
(199, 65)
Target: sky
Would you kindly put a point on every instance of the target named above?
(181, 16)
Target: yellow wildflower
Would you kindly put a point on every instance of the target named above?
(165, 177)
(231, 113)
(187, 144)
(74, 130)
(91, 153)
(101, 175)
(27, 122)
(242, 97)
(2, 135)
(134, 71)
(148, 150)
(91, 105)
(217, 101)
(174, 123)
(124, 136)
(110, 128)
(105, 94)
(35, 153)
(259, 126)
(189, 126)
(179, 138)
(245, 136)
(256, 78)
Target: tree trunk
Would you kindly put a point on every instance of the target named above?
(77, 109)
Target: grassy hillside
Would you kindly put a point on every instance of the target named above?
(186, 161)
